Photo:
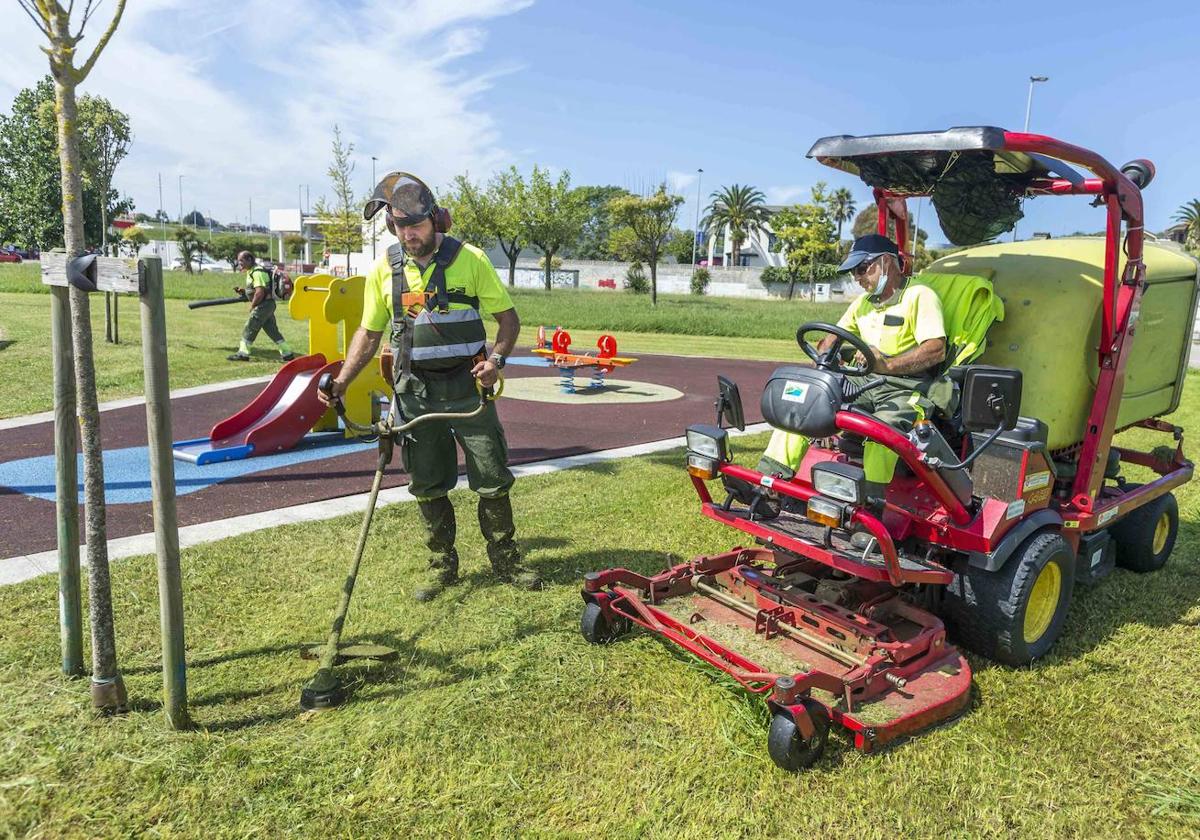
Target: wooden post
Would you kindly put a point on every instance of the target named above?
(66, 481)
(162, 480)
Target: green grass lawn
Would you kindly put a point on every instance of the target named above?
(199, 340)
(499, 720)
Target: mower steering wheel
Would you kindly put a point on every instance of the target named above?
(831, 359)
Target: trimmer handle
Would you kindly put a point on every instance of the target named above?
(325, 386)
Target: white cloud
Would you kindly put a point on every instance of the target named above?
(240, 96)
(680, 182)
(789, 194)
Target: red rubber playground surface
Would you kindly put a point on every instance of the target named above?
(536, 431)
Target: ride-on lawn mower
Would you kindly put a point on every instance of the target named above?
(1001, 502)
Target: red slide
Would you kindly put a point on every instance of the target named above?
(274, 421)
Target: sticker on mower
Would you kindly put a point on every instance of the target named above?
(795, 391)
(1036, 481)
(1106, 516)
(1015, 509)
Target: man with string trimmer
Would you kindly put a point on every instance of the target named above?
(431, 291)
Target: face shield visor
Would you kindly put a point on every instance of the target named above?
(406, 197)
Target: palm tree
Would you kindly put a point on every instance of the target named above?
(1189, 214)
(841, 208)
(741, 208)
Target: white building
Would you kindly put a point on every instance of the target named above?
(759, 250)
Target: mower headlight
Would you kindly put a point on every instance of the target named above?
(708, 441)
(825, 512)
(707, 449)
(844, 482)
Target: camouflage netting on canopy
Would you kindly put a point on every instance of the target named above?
(974, 203)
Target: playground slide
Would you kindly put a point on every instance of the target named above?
(274, 421)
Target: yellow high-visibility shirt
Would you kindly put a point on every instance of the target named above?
(470, 274)
(913, 317)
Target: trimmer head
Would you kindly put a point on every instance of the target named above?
(324, 691)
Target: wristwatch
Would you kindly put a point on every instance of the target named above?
(498, 359)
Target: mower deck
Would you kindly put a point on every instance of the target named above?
(789, 629)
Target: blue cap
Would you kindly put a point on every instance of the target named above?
(868, 248)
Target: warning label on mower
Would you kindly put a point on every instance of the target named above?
(1035, 481)
(795, 391)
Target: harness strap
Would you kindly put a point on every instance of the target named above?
(446, 253)
(402, 322)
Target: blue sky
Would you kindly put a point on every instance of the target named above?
(240, 98)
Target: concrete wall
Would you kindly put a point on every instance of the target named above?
(672, 278)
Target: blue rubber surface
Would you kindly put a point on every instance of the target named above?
(127, 471)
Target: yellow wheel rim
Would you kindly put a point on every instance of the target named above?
(1043, 602)
(1161, 531)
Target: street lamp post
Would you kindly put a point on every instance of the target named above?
(181, 199)
(374, 235)
(1028, 109)
(162, 216)
(1029, 101)
(696, 232)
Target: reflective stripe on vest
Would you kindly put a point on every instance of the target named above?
(458, 353)
(454, 336)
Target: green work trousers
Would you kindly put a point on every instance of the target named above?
(262, 317)
(900, 402)
(429, 453)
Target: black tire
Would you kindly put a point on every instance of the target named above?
(1146, 537)
(990, 612)
(597, 629)
(788, 748)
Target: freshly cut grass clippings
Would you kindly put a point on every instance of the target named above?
(773, 654)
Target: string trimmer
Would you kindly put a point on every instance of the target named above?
(324, 690)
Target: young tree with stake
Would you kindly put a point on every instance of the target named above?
(53, 20)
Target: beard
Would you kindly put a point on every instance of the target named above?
(423, 247)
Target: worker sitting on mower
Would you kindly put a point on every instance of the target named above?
(902, 323)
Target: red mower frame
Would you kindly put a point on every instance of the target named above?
(884, 649)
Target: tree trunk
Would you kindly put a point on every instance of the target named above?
(512, 252)
(104, 222)
(108, 689)
(653, 278)
(549, 259)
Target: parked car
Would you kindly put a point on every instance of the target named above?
(9, 255)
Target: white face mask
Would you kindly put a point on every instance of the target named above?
(881, 285)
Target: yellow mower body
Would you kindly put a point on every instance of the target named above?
(1052, 291)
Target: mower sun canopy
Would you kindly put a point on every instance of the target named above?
(975, 183)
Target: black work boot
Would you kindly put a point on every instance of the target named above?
(496, 524)
(438, 515)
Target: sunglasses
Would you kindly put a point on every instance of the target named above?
(860, 270)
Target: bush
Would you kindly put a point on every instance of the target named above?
(555, 264)
(700, 280)
(636, 280)
(773, 274)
